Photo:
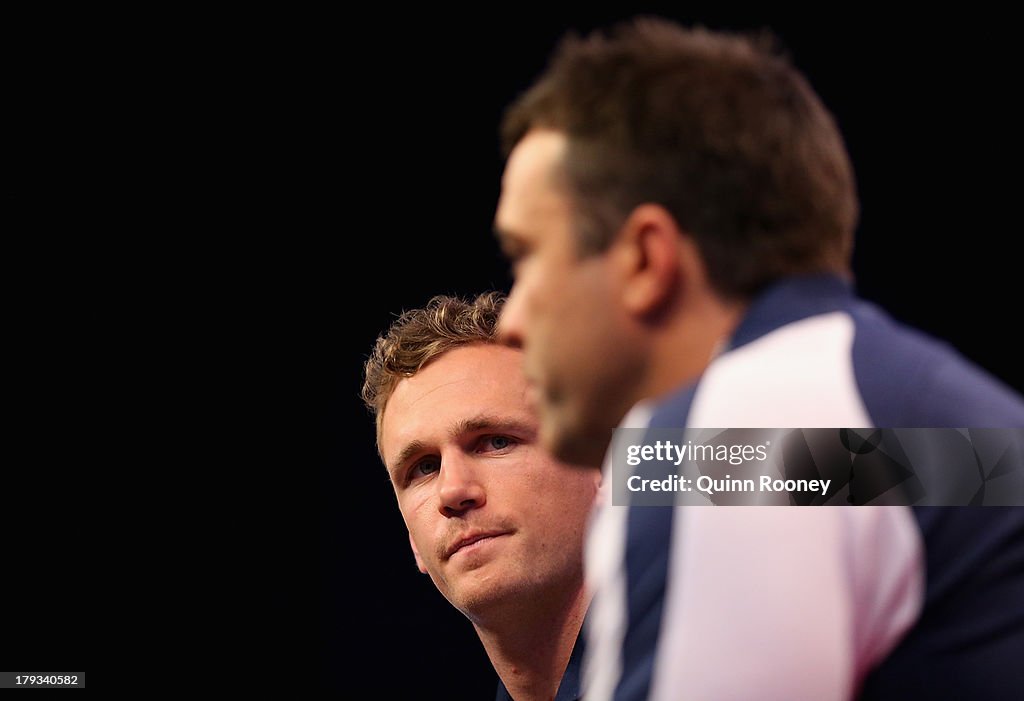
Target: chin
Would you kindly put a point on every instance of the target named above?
(574, 446)
(481, 605)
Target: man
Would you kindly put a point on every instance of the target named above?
(679, 209)
(496, 523)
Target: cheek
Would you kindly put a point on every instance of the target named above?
(542, 277)
(531, 286)
(569, 498)
(561, 531)
(416, 513)
(590, 321)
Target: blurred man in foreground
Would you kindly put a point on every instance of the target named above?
(679, 210)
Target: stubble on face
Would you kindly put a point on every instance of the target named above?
(450, 411)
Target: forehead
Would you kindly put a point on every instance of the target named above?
(529, 185)
(461, 384)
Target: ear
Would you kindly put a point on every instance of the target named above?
(649, 251)
(416, 554)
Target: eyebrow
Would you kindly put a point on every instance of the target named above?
(511, 243)
(475, 424)
(407, 452)
(490, 422)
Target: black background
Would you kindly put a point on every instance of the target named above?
(319, 174)
(399, 206)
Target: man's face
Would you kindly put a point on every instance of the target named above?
(563, 309)
(491, 517)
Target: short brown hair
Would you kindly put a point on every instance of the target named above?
(718, 128)
(419, 336)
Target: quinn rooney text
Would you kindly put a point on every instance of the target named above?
(707, 485)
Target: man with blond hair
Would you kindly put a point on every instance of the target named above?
(496, 522)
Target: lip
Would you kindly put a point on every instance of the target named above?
(471, 538)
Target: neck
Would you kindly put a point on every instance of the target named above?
(688, 342)
(530, 646)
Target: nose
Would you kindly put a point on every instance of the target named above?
(510, 322)
(459, 487)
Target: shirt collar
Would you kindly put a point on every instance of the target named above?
(789, 300)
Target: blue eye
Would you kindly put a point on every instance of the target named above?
(497, 443)
(424, 467)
